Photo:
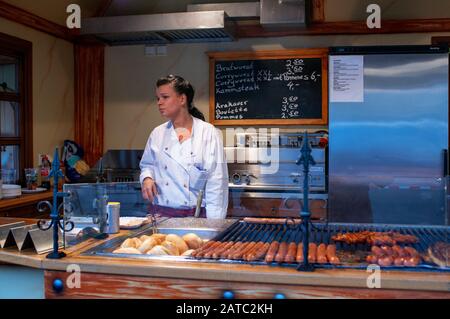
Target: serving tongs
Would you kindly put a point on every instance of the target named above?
(153, 219)
(153, 222)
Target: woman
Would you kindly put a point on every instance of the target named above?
(184, 157)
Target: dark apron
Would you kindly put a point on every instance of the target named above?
(174, 212)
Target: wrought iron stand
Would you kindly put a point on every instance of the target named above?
(56, 220)
(305, 159)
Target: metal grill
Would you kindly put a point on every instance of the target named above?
(322, 233)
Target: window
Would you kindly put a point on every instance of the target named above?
(16, 139)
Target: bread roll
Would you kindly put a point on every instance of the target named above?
(128, 243)
(158, 251)
(131, 243)
(178, 241)
(137, 242)
(159, 237)
(187, 252)
(127, 250)
(193, 241)
(147, 245)
(171, 248)
(144, 238)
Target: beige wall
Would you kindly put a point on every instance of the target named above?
(130, 76)
(53, 87)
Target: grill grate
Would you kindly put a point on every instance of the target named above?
(322, 233)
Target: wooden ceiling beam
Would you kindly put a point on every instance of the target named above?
(31, 20)
(348, 28)
(102, 8)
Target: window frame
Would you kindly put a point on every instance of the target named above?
(22, 50)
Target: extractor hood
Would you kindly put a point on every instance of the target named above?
(202, 26)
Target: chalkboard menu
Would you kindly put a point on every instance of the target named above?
(268, 87)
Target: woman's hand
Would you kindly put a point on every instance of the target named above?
(149, 190)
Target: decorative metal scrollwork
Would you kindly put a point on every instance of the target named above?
(57, 221)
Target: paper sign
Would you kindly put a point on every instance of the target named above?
(346, 78)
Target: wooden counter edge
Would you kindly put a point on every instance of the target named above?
(349, 278)
(24, 200)
(235, 273)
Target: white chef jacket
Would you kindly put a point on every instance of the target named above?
(181, 170)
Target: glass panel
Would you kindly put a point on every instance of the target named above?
(10, 164)
(8, 74)
(84, 198)
(9, 118)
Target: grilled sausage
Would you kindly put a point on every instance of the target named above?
(411, 252)
(205, 246)
(260, 253)
(322, 254)
(281, 254)
(244, 250)
(254, 249)
(210, 252)
(224, 253)
(331, 254)
(312, 253)
(387, 250)
(385, 261)
(234, 254)
(272, 251)
(219, 251)
(372, 259)
(399, 251)
(412, 261)
(299, 255)
(230, 251)
(209, 245)
(291, 253)
(377, 251)
(399, 261)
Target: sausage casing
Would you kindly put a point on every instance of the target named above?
(412, 252)
(412, 261)
(217, 252)
(281, 254)
(372, 259)
(230, 251)
(377, 251)
(331, 254)
(206, 248)
(322, 254)
(254, 249)
(312, 253)
(291, 253)
(385, 261)
(272, 251)
(260, 253)
(299, 255)
(245, 249)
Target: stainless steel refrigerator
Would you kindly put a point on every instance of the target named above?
(388, 134)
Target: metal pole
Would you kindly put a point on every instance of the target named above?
(305, 159)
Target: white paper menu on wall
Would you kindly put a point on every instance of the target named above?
(346, 78)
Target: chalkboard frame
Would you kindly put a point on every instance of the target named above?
(269, 55)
